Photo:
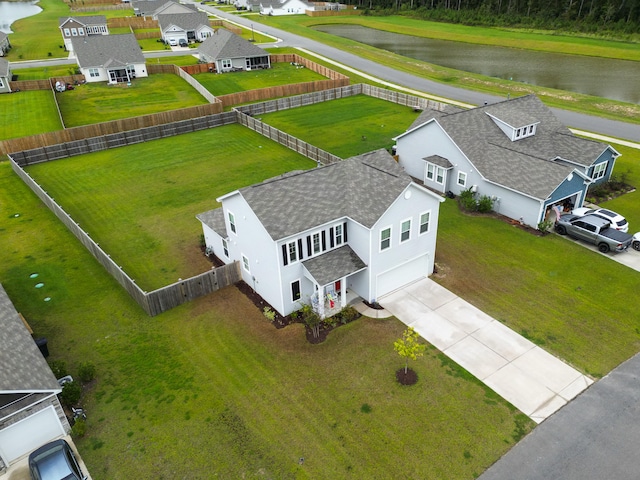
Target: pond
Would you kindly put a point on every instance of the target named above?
(602, 77)
(12, 11)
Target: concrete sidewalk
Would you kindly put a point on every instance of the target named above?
(534, 381)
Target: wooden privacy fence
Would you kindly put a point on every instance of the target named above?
(187, 78)
(156, 301)
(97, 8)
(132, 22)
(25, 85)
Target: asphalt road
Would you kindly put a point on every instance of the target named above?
(594, 437)
(579, 121)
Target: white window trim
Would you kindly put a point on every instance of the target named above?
(431, 171)
(420, 232)
(295, 251)
(380, 249)
(439, 173)
(299, 290)
(67, 32)
(245, 263)
(402, 231)
(313, 245)
(599, 170)
(227, 63)
(225, 247)
(74, 32)
(462, 176)
(232, 223)
(1, 83)
(335, 234)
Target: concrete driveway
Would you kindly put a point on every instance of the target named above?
(534, 381)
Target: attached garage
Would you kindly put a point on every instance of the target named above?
(401, 275)
(28, 434)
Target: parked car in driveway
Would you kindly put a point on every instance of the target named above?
(55, 461)
(595, 230)
(617, 221)
(183, 42)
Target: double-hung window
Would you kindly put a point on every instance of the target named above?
(226, 63)
(67, 32)
(316, 243)
(405, 231)
(245, 264)
(599, 170)
(94, 72)
(462, 179)
(435, 173)
(385, 238)
(232, 222)
(424, 222)
(439, 175)
(74, 32)
(431, 168)
(338, 234)
(292, 250)
(225, 248)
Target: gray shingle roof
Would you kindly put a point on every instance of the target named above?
(3, 37)
(225, 44)
(438, 160)
(4, 68)
(185, 21)
(84, 20)
(24, 369)
(107, 50)
(334, 265)
(527, 165)
(153, 7)
(361, 188)
(215, 220)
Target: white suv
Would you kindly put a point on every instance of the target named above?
(617, 221)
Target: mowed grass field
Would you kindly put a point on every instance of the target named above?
(347, 126)
(279, 74)
(28, 113)
(213, 390)
(100, 102)
(139, 202)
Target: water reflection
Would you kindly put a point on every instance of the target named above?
(12, 11)
(614, 79)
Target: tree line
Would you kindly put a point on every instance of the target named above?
(591, 16)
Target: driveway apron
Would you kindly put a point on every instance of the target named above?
(534, 381)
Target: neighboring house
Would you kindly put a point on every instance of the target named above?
(190, 27)
(153, 8)
(5, 45)
(5, 76)
(78, 27)
(231, 52)
(30, 412)
(277, 7)
(112, 58)
(515, 152)
(359, 227)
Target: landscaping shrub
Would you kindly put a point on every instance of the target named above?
(79, 428)
(348, 314)
(467, 200)
(485, 204)
(86, 372)
(70, 394)
(545, 226)
(269, 314)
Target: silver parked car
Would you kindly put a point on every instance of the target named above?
(55, 461)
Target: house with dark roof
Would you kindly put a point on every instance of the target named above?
(153, 8)
(5, 76)
(279, 7)
(78, 27)
(516, 152)
(231, 52)
(5, 45)
(110, 58)
(30, 412)
(357, 228)
(189, 27)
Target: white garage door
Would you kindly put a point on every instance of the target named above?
(26, 435)
(402, 275)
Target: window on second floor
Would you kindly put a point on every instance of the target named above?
(424, 222)
(225, 248)
(338, 234)
(74, 32)
(232, 222)
(67, 32)
(292, 251)
(81, 31)
(385, 238)
(405, 231)
(316, 243)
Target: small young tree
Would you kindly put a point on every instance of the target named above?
(408, 346)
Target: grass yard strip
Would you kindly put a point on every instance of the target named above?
(180, 60)
(281, 73)
(100, 102)
(573, 302)
(603, 107)
(28, 113)
(212, 389)
(347, 126)
(139, 202)
(44, 73)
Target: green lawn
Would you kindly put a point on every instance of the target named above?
(213, 390)
(279, 74)
(139, 202)
(99, 102)
(347, 126)
(43, 73)
(28, 113)
(181, 60)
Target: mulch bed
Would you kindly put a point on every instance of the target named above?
(280, 322)
(408, 378)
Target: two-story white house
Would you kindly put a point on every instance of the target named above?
(79, 27)
(516, 152)
(360, 227)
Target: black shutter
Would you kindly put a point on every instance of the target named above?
(344, 231)
(295, 290)
(324, 240)
(331, 237)
(285, 258)
(300, 248)
(308, 245)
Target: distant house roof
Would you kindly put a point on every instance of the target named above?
(108, 51)
(4, 67)
(185, 21)
(154, 7)
(3, 37)
(84, 20)
(24, 369)
(361, 188)
(534, 165)
(225, 44)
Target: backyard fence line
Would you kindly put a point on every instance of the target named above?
(132, 22)
(147, 35)
(100, 7)
(224, 24)
(26, 85)
(159, 68)
(156, 301)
